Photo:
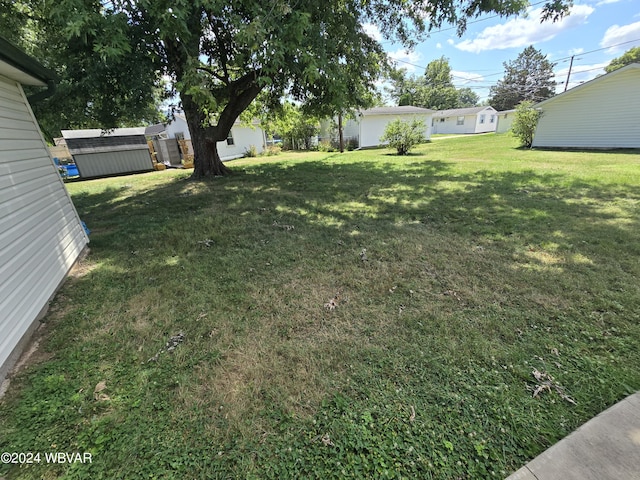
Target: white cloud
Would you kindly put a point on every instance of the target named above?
(373, 31)
(575, 51)
(450, 41)
(524, 31)
(617, 34)
(606, 2)
(579, 74)
(406, 59)
(438, 45)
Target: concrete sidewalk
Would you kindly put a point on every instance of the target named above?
(607, 447)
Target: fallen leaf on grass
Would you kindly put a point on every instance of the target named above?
(97, 392)
(332, 303)
(326, 440)
(282, 226)
(412, 417)
(207, 242)
(451, 293)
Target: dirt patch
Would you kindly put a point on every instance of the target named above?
(32, 355)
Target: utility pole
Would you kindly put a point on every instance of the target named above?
(566, 84)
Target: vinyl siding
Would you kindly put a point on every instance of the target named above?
(504, 121)
(471, 121)
(450, 125)
(40, 233)
(604, 114)
(102, 164)
(243, 139)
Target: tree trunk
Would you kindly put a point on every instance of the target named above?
(207, 161)
(340, 133)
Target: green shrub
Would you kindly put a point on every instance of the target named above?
(251, 152)
(403, 136)
(273, 150)
(525, 122)
(325, 146)
(351, 144)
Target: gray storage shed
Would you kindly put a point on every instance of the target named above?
(41, 236)
(99, 153)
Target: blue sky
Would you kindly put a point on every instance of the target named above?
(595, 32)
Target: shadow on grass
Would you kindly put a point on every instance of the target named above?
(469, 280)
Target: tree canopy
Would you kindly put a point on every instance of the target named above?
(630, 56)
(433, 90)
(527, 78)
(220, 55)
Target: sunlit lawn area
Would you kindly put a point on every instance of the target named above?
(325, 315)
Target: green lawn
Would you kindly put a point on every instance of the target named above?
(356, 315)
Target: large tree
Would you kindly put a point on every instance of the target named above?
(220, 54)
(433, 90)
(630, 56)
(527, 78)
(106, 76)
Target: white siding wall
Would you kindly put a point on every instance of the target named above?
(178, 125)
(372, 127)
(488, 125)
(243, 138)
(505, 119)
(40, 233)
(450, 125)
(350, 128)
(604, 114)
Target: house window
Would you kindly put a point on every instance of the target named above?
(460, 121)
(179, 135)
(481, 118)
(230, 139)
(442, 120)
(492, 119)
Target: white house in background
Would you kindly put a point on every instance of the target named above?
(41, 236)
(369, 125)
(240, 139)
(601, 113)
(465, 120)
(505, 119)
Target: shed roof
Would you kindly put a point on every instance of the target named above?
(97, 132)
(403, 110)
(17, 65)
(155, 129)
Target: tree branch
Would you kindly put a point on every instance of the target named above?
(210, 71)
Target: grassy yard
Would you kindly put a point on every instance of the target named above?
(356, 315)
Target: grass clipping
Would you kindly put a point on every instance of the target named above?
(546, 383)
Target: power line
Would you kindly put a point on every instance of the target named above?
(481, 78)
(603, 48)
